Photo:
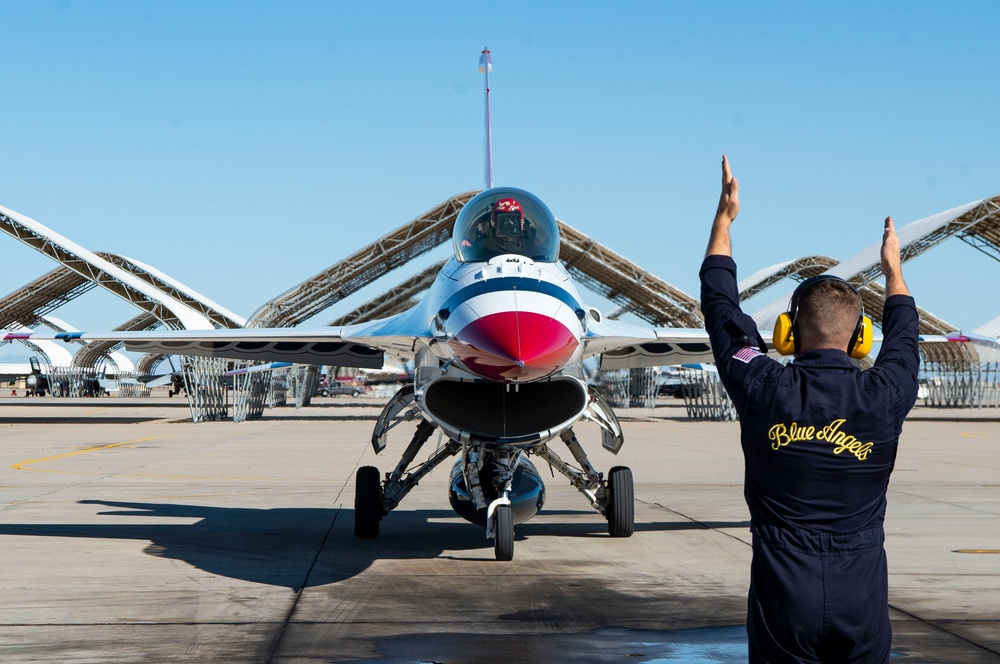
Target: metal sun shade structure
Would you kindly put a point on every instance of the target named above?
(92, 267)
(953, 373)
(30, 306)
(340, 280)
(596, 266)
(156, 294)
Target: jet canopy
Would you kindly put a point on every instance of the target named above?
(505, 220)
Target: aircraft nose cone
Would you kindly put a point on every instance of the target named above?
(515, 346)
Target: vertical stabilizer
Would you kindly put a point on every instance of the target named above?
(485, 67)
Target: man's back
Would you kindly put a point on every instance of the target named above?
(820, 438)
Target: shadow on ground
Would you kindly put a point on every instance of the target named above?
(303, 547)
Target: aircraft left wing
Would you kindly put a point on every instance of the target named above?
(625, 345)
(681, 346)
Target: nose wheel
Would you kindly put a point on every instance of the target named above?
(503, 533)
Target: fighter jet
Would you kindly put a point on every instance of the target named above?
(497, 345)
(35, 381)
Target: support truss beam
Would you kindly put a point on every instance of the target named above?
(100, 271)
(362, 267)
(29, 303)
(625, 283)
(394, 301)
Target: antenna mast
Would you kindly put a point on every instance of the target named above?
(485, 67)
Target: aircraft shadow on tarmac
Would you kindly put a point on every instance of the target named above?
(307, 547)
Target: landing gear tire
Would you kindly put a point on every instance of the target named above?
(367, 502)
(503, 533)
(621, 502)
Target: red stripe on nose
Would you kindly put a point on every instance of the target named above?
(515, 346)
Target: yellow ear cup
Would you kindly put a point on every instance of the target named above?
(863, 344)
(782, 337)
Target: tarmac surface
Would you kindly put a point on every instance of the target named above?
(129, 534)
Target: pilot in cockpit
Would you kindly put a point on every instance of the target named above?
(505, 221)
(505, 230)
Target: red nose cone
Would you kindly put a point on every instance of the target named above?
(515, 346)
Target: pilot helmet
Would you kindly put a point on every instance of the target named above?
(508, 219)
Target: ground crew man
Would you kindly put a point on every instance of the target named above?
(819, 440)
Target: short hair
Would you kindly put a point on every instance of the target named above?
(828, 312)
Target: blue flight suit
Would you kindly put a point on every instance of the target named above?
(819, 439)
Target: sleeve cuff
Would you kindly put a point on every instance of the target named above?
(718, 261)
(900, 301)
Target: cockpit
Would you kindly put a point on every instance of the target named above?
(505, 220)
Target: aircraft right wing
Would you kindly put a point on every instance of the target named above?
(362, 345)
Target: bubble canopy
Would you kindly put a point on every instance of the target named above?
(505, 220)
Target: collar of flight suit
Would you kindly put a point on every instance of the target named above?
(824, 357)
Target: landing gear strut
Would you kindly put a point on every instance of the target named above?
(614, 498)
(483, 481)
(374, 499)
(499, 515)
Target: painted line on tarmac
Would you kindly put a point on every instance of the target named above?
(977, 551)
(21, 465)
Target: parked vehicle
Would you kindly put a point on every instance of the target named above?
(339, 388)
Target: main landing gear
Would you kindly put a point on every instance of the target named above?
(614, 498)
(620, 509)
(488, 471)
(367, 502)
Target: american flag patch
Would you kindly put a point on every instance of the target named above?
(746, 354)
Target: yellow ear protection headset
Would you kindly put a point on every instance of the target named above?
(785, 339)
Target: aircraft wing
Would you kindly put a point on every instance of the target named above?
(671, 346)
(156, 381)
(362, 346)
(959, 337)
(626, 345)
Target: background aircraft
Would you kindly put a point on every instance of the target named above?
(36, 383)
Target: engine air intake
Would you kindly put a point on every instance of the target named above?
(498, 412)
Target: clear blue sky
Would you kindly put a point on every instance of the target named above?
(242, 147)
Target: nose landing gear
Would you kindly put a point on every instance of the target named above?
(502, 525)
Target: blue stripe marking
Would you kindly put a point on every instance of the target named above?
(511, 284)
(69, 336)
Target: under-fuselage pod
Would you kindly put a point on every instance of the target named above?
(527, 493)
